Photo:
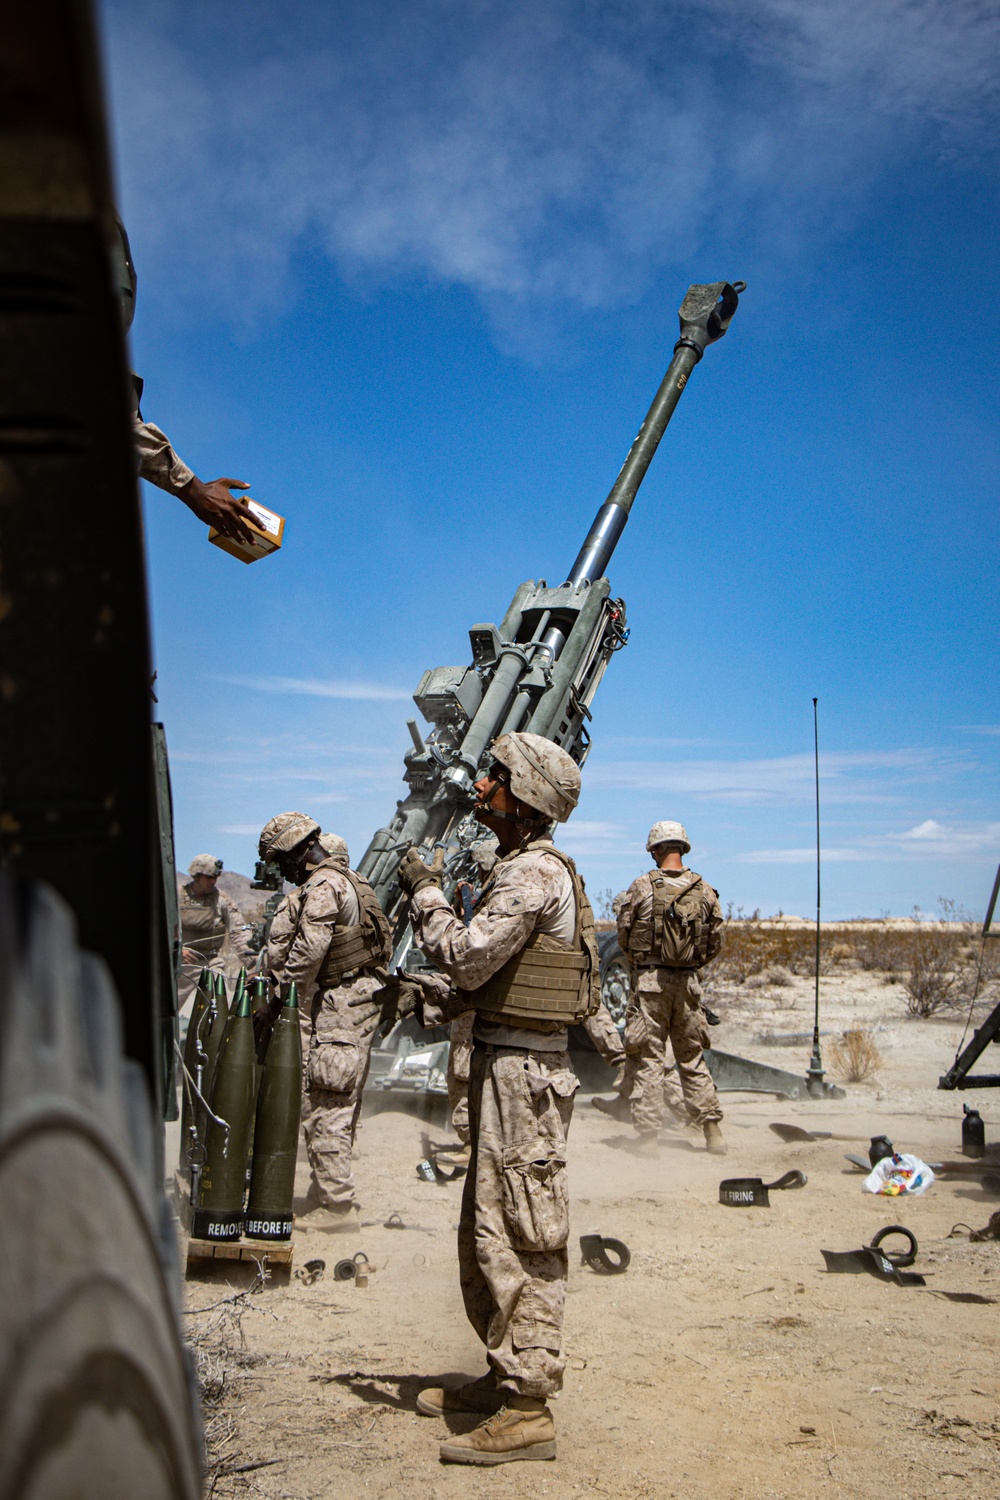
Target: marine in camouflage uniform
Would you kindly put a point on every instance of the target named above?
(213, 934)
(670, 926)
(527, 965)
(331, 940)
(156, 460)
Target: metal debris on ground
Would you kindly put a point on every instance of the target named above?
(310, 1272)
(752, 1192)
(885, 1265)
(598, 1250)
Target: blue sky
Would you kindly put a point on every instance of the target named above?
(412, 269)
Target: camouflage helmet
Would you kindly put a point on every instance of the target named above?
(334, 847)
(541, 774)
(205, 864)
(285, 833)
(668, 833)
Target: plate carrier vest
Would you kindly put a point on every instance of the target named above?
(366, 945)
(549, 980)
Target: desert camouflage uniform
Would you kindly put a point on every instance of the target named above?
(156, 459)
(212, 927)
(338, 1054)
(665, 1010)
(272, 958)
(459, 1068)
(514, 1223)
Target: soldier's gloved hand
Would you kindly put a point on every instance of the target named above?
(413, 873)
(263, 1020)
(380, 1011)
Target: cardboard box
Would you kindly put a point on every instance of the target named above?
(268, 529)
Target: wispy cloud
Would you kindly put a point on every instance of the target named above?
(561, 153)
(845, 776)
(929, 839)
(311, 687)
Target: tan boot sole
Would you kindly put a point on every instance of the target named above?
(452, 1453)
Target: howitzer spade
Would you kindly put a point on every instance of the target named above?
(219, 1211)
(276, 1133)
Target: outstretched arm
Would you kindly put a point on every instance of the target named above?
(211, 503)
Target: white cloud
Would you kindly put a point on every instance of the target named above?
(928, 839)
(845, 776)
(367, 692)
(928, 829)
(562, 153)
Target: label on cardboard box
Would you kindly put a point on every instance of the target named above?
(268, 531)
(266, 519)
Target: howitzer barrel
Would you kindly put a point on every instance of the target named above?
(540, 670)
(705, 315)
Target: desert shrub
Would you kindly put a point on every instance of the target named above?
(855, 1056)
(750, 948)
(779, 976)
(882, 949)
(937, 974)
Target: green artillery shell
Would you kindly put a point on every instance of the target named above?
(259, 1002)
(219, 1214)
(217, 1032)
(202, 999)
(212, 1042)
(276, 1137)
(258, 1005)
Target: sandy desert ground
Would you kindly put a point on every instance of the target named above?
(726, 1362)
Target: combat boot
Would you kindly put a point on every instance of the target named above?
(713, 1138)
(524, 1431)
(330, 1218)
(477, 1395)
(647, 1144)
(618, 1108)
(458, 1159)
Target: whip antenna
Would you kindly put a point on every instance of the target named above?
(814, 1075)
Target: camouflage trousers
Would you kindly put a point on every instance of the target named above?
(665, 1009)
(673, 1094)
(335, 1068)
(459, 1064)
(513, 1231)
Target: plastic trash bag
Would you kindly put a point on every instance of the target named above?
(901, 1174)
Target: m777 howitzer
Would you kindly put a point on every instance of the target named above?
(540, 669)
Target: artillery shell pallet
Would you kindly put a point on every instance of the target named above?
(203, 1255)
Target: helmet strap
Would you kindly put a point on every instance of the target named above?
(538, 821)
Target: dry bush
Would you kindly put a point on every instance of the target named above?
(936, 963)
(750, 948)
(881, 949)
(937, 973)
(855, 1056)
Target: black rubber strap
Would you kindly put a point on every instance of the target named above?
(896, 1257)
(595, 1249)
